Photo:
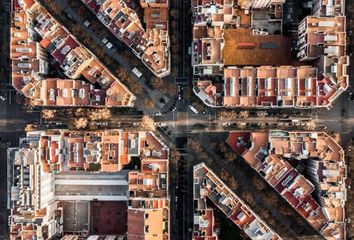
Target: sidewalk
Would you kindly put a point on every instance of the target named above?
(114, 54)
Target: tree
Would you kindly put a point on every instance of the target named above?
(247, 197)
(262, 114)
(285, 209)
(79, 123)
(147, 123)
(203, 156)
(258, 184)
(244, 114)
(48, 114)
(149, 103)
(136, 88)
(228, 114)
(271, 197)
(80, 112)
(222, 148)
(229, 157)
(188, 93)
(233, 183)
(195, 146)
(311, 125)
(224, 174)
(100, 114)
(156, 82)
(175, 156)
(30, 127)
(20, 99)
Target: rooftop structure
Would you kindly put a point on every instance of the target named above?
(149, 201)
(328, 8)
(306, 168)
(256, 4)
(152, 44)
(208, 186)
(246, 51)
(36, 37)
(55, 172)
(324, 39)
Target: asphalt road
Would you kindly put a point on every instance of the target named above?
(182, 200)
(334, 119)
(181, 122)
(70, 16)
(13, 115)
(288, 226)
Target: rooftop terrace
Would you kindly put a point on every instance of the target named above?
(272, 155)
(35, 35)
(229, 37)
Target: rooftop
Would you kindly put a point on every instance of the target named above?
(30, 64)
(242, 47)
(273, 155)
(83, 171)
(208, 186)
(151, 45)
(228, 38)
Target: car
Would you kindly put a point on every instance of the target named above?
(69, 16)
(343, 112)
(109, 45)
(137, 72)
(193, 109)
(87, 23)
(351, 96)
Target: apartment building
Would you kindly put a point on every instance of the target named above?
(208, 42)
(36, 39)
(243, 48)
(324, 39)
(267, 86)
(149, 198)
(306, 168)
(150, 44)
(149, 202)
(328, 7)
(59, 172)
(211, 94)
(208, 186)
(154, 3)
(256, 4)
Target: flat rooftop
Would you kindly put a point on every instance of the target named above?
(109, 217)
(242, 47)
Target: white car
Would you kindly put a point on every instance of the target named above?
(137, 72)
(193, 109)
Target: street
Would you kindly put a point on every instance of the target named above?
(13, 115)
(176, 123)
